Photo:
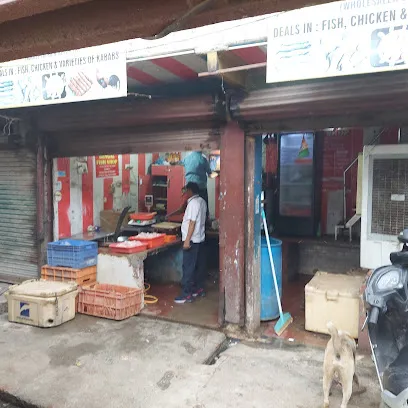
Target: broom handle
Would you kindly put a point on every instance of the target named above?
(275, 280)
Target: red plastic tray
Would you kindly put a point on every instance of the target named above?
(121, 250)
(152, 242)
(142, 216)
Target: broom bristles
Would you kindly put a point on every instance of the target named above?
(281, 329)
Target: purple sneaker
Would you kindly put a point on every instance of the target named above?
(184, 299)
(199, 293)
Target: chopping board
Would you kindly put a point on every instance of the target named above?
(166, 226)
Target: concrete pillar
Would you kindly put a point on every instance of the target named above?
(253, 189)
(232, 226)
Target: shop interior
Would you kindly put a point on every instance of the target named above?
(114, 200)
(312, 185)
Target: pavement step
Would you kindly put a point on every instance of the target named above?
(3, 300)
(3, 305)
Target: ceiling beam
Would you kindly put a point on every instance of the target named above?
(221, 64)
(16, 9)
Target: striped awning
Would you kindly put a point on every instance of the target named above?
(182, 68)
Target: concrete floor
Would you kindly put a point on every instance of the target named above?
(91, 362)
(147, 363)
(293, 301)
(202, 312)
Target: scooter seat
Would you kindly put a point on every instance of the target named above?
(399, 258)
(395, 377)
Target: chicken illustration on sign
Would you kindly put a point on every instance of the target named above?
(73, 76)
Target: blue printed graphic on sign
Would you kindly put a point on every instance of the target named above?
(61, 174)
(24, 309)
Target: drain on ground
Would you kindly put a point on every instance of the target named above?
(226, 344)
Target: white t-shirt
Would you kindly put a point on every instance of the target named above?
(196, 211)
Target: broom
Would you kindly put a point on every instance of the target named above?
(285, 319)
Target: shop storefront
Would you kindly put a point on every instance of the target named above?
(326, 88)
(334, 89)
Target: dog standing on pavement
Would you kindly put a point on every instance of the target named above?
(339, 365)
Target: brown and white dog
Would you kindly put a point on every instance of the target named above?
(340, 365)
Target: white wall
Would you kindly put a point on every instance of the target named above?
(376, 248)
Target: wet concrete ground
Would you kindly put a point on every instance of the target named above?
(4, 404)
(147, 363)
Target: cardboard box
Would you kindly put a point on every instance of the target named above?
(109, 220)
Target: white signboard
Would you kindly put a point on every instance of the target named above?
(73, 76)
(340, 38)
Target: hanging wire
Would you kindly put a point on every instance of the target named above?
(179, 23)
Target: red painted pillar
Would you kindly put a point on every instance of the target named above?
(232, 225)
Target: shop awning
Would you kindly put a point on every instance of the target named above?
(154, 72)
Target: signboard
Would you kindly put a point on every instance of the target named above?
(340, 38)
(73, 76)
(107, 166)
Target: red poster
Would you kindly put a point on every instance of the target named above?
(107, 166)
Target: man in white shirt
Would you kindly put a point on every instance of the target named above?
(193, 236)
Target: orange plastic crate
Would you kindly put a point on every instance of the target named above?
(84, 276)
(153, 242)
(170, 238)
(110, 301)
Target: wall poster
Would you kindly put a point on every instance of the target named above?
(107, 166)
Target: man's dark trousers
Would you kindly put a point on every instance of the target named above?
(193, 268)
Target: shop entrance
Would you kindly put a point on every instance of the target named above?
(313, 187)
(115, 198)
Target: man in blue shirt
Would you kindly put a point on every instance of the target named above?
(197, 170)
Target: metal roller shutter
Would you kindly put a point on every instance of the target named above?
(377, 99)
(18, 215)
(122, 141)
(132, 126)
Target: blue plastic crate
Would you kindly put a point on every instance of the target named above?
(72, 253)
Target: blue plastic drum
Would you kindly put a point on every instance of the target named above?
(269, 301)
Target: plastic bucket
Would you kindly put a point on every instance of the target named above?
(269, 301)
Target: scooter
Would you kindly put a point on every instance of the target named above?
(386, 299)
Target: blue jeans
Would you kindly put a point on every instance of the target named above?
(194, 269)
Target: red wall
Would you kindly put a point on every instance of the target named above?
(338, 152)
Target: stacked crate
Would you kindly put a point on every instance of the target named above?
(71, 260)
(110, 301)
(83, 276)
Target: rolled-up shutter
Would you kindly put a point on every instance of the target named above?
(18, 215)
(123, 141)
(131, 126)
(375, 99)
